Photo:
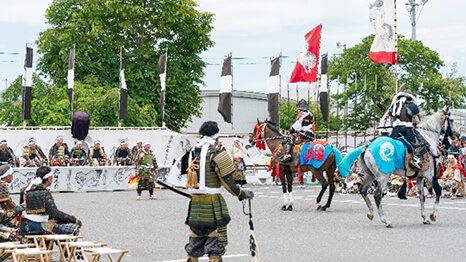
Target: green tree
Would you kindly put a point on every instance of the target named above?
(144, 29)
(417, 64)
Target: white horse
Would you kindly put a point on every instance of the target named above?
(430, 130)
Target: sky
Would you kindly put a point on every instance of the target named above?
(256, 30)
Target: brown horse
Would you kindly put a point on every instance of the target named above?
(267, 132)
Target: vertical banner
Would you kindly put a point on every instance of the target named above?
(226, 89)
(382, 14)
(71, 60)
(27, 85)
(123, 96)
(163, 75)
(306, 64)
(323, 95)
(273, 90)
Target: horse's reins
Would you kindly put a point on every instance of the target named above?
(262, 134)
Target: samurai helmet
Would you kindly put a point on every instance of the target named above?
(405, 92)
(302, 105)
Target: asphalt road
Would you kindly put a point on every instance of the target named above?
(155, 230)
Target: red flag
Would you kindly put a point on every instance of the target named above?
(306, 65)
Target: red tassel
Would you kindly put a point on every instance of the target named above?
(278, 170)
(313, 179)
(300, 179)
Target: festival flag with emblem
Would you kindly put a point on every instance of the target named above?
(226, 89)
(27, 85)
(382, 14)
(163, 74)
(273, 90)
(71, 61)
(323, 95)
(306, 64)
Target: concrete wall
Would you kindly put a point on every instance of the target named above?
(247, 107)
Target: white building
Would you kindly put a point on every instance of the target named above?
(247, 108)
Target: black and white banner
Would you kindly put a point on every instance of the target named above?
(273, 90)
(323, 95)
(163, 75)
(27, 85)
(226, 89)
(123, 96)
(71, 59)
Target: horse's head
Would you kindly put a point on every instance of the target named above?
(257, 132)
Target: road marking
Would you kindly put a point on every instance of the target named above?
(205, 258)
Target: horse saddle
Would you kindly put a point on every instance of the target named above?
(294, 155)
(424, 160)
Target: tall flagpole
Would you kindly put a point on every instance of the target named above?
(279, 86)
(232, 122)
(396, 52)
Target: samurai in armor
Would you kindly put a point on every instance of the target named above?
(97, 156)
(7, 157)
(42, 215)
(135, 150)
(59, 154)
(78, 155)
(33, 154)
(147, 169)
(123, 155)
(405, 116)
(212, 170)
(303, 126)
(8, 209)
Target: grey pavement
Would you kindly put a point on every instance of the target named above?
(155, 230)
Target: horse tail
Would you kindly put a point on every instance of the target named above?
(344, 166)
(338, 156)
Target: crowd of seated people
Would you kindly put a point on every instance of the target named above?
(60, 154)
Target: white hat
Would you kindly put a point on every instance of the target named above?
(97, 142)
(146, 143)
(451, 156)
(139, 141)
(123, 143)
(5, 171)
(3, 142)
(79, 142)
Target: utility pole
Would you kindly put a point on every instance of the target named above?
(413, 7)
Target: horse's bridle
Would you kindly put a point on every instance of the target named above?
(261, 128)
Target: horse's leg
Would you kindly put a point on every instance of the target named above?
(283, 182)
(378, 195)
(422, 198)
(323, 186)
(364, 188)
(433, 216)
(289, 178)
(330, 176)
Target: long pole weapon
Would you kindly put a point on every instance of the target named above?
(253, 248)
(173, 189)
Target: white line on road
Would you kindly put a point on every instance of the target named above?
(205, 258)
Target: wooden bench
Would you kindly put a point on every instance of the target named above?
(26, 254)
(73, 248)
(98, 252)
(46, 242)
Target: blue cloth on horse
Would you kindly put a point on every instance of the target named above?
(344, 166)
(318, 155)
(389, 154)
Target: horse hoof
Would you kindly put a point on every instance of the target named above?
(318, 206)
(284, 208)
(389, 225)
(290, 208)
(370, 216)
(426, 222)
(324, 208)
(433, 217)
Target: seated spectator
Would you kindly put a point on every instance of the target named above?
(97, 156)
(9, 210)
(78, 155)
(123, 155)
(59, 154)
(42, 215)
(463, 153)
(452, 178)
(454, 148)
(33, 154)
(7, 157)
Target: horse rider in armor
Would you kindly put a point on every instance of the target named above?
(33, 154)
(405, 116)
(303, 126)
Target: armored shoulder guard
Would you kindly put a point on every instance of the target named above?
(224, 163)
